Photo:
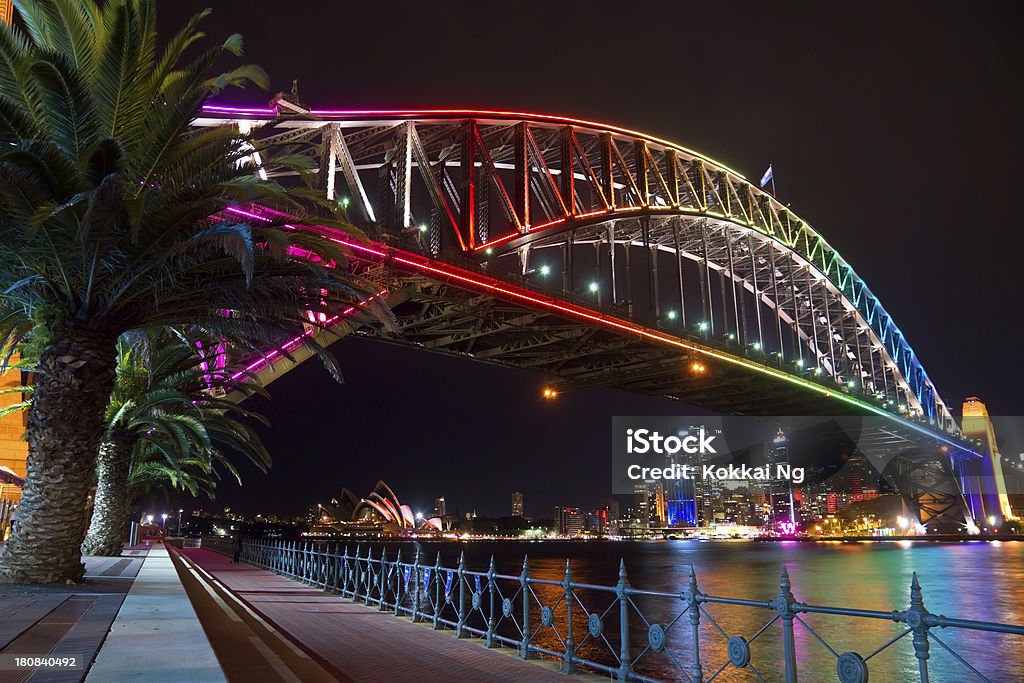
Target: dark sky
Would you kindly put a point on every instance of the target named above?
(894, 129)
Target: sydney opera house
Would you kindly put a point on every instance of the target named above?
(380, 513)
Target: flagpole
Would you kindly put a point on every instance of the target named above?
(773, 182)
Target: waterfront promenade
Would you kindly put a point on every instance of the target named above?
(158, 614)
(350, 641)
(66, 620)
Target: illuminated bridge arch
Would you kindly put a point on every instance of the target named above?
(619, 221)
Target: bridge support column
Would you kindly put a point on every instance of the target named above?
(679, 270)
(611, 260)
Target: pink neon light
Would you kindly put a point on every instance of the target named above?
(288, 346)
(463, 113)
(470, 278)
(477, 281)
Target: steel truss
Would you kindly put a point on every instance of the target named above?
(504, 188)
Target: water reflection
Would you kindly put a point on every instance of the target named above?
(970, 580)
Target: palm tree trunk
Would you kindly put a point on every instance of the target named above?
(65, 425)
(110, 507)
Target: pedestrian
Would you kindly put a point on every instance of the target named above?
(237, 548)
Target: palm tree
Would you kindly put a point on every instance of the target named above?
(151, 472)
(164, 404)
(112, 218)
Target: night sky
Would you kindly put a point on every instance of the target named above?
(895, 131)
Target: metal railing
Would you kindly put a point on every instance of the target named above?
(564, 620)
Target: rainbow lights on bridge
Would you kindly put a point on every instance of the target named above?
(678, 277)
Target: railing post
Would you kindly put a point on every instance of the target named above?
(915, 618)
(460, 631)
(622, 592)
(337, 568)
(524, 582)
(320, 556)
(492, 623)
(692, 598)
(568, 666)
(344, 571)
(383, 579)
(368, 577)
(416, 587)
(355, 576)
(398, 582)
(436, 617)
(784, 607)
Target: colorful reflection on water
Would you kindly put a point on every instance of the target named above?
(970, 580)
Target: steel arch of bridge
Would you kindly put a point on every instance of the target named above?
(486, 185)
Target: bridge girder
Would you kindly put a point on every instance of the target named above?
(497, 193)
(465, 183)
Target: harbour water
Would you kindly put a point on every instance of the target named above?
(967, 580)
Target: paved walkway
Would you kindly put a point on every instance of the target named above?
(156, 636)
(357, 643)
(62, 620)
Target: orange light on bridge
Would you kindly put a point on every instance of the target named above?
(698, 368)
(550, 393)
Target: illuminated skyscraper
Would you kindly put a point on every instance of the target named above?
(568, 521)
(517, 504)
(780, 493)
(680, 506)
(440, 508)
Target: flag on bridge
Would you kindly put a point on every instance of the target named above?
(767, 177)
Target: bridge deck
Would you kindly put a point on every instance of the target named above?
(356, 643)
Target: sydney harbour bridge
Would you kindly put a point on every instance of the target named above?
(600, 256)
